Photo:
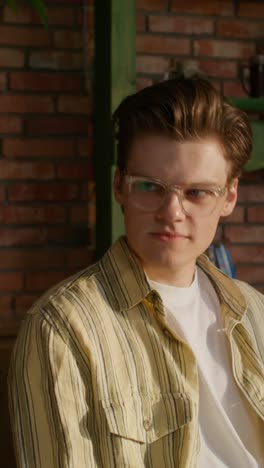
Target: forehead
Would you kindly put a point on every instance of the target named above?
(178, 162)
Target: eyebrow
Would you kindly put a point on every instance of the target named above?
(203, 183)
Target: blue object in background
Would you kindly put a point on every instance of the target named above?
(221, 257)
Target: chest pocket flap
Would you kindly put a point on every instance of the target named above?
(147, 418)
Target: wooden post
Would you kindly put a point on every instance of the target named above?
(115, 77)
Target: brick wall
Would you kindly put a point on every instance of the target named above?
(219, 36)
(46, 148)
(46, 174)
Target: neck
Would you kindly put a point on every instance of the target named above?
(181, 278)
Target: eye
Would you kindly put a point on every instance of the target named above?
(146, 186)
(198, 193)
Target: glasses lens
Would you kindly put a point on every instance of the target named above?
(199, 201)
(150, 195)
(147, 194)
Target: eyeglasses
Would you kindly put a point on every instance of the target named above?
(150, 194)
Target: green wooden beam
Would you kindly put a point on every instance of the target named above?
(248, 104)
(255, 105)
(115, 77)
(256, 161)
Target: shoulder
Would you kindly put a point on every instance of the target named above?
(255, 305)
(71, 300)
(252, 295)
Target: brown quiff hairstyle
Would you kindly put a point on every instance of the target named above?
(184, 109)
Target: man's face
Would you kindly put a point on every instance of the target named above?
(168, 241)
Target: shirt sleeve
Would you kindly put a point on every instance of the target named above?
(51, 401)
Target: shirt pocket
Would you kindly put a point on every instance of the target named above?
(147, 418)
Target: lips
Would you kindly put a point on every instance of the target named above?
(169, 235)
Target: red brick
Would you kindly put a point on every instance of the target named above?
(247, 254)
(140, 22)
(245, 234)
(32, 259)
(10, 281)
(152, 64)
(11, 58)
(91, 190)
(12, 35)
(20, 170)
(43, 192)
(2, 193)
(23, 14)
(256, 214)
(251, 274)
(253, 176)
(6, 309)
(26, 104)
(180, 25)
(78, 170)
(56, 60)
(46, 82)
(68, 39)
(40, 281)
(86, 190)
(58, 125)
(241, 29)
(60, 16)
(2, 82)
(32, 214)
(74, 105)
(68, 235)
(23, 303)
(57, 15)
(10, 124)
(251, 9)
(233, 89)
(21, 236)
(92, 214)
(251, 193)
(38, 147)
(86, 19)
(79, 214)
(204, 7)
(89, 50)
(228, 49)
(216, 83)
(163, 44)
(142, 83)
(151, 5)
(238, 216)
(79, 257)
(219, 234)
(218, 68)
(85, 147)
(71, 2)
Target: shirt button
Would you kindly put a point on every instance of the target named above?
(147, 424)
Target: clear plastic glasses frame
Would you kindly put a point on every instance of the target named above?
(150, 194)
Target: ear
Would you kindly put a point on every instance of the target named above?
(117, 186)
(231, 198)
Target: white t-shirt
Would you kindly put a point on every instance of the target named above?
(230, 431)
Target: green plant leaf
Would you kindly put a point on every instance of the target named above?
(39, 6)
(12, 4)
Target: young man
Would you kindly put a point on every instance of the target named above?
(152, 357)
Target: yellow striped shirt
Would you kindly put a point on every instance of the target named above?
(97, 379)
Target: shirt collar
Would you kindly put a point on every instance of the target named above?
(126, 283)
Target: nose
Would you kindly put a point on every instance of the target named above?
(171, 209)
